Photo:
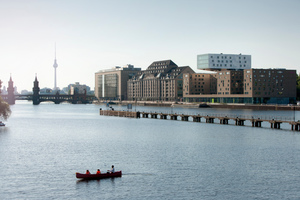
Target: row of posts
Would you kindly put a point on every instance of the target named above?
(224, 120)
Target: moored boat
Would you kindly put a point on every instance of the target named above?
(98, 176)
(1, 123)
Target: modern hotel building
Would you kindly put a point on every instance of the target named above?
(223, 61)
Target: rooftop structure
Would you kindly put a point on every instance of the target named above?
(223, 61)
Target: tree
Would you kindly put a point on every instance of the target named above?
(298, 87)
(4, 109)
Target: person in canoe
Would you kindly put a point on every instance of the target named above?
(112, 170)
(98, 171)
(87, 172)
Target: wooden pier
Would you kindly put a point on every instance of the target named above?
(239, 121)
(120, 113)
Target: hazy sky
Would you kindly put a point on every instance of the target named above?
(91, 35)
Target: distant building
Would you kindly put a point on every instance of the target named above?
(161, 81)
(4, 91)
(111, 84)
(25, 92)
(77, 89)
(46, 91)
(223, 61)
(272, 86)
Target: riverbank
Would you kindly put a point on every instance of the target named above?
(204, 105)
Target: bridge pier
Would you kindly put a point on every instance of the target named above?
(153, 115)
(275, 124)
(295, 126)
(239, 122)
(209, 119)
(196, 119)
(223, 120)
(163, 116)
(173, 117)
(184, 118)
(145, 115)
(256, 123)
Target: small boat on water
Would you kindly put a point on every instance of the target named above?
(98, 176)
(1, 123)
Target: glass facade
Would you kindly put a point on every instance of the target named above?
(99, 86)
(110, 86)
(203, 61)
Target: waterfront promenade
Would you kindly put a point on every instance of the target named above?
(208, 105)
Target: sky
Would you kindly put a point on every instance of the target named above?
(92, 35)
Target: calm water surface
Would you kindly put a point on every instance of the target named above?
(43, 146)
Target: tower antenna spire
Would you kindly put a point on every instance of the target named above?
(55, 50)
(55, 65)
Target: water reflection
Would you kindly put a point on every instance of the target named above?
(4, 129)
(97, 181)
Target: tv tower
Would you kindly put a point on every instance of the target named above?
(55, 65)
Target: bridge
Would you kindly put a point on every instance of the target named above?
(56, 98)
(37, 98)
(239, 120)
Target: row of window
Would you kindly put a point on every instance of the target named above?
(222, 61)
(227, 61)
(158, 64)
(226, 57)
(225, 65)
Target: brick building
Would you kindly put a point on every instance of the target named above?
(275, 86)
(161, 81)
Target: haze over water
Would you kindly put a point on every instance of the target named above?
(43, 146)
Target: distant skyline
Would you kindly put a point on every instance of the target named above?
(94, 35)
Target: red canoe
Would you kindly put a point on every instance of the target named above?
(98, 176)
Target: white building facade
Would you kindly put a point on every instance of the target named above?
(223, 61)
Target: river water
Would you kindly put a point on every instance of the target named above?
(43, 146)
